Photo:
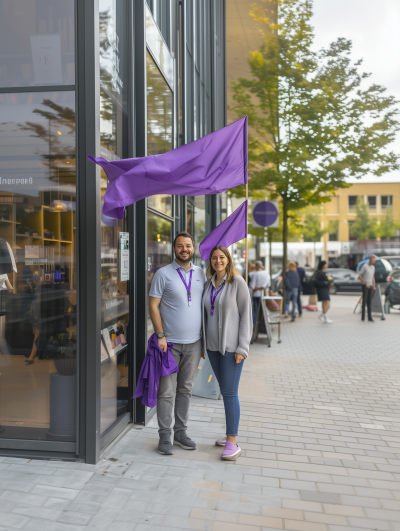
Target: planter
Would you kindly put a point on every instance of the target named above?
(65, 363)
(62, 408)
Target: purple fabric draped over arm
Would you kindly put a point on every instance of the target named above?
(209, 165)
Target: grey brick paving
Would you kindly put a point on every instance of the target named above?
(320, 434)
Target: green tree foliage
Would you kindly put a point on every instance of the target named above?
(388, 226)
(312, 230)
(311, 123)
(364, 227)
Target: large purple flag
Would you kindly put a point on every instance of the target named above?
(209, 165)
(231, 230)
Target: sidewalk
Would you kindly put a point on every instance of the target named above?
(320, 431)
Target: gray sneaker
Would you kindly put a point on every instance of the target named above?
(164, 445)
(181, 439)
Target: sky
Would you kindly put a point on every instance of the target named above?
(374, 28)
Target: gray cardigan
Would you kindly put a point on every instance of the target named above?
(234, 317)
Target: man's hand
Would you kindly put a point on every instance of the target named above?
(203, 356)
(239, 357)
(162, 342)
(368, 286)
(374, 286)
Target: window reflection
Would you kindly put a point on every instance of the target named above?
(37, 41)
(159, 125)
(38, 301)
(113, 146)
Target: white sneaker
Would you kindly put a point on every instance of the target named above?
(326, 320)
(321, 317)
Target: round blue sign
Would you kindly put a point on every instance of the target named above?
(265, 213)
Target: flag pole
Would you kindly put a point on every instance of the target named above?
(247, 240)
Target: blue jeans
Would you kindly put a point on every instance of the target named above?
(291, 295)
(228, 373)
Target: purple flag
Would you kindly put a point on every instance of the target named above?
(231, 230)
(209, 165)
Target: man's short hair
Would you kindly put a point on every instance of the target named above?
(259, 264)
(184, 235)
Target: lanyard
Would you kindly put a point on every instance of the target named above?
(188, 288)
(213, 297)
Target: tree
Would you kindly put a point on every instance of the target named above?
(387, 227)
(311, 125)
(364, 227)
(312, 230)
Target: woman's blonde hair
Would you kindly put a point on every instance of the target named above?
(230, 268)
(292, 266)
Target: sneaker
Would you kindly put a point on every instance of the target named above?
(231, 451)
(220, 442)
(371, 320)
(164, 444)
(327, 320)
(182, 440)
(321, 317)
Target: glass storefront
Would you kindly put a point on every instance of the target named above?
(38, 323)
(115, 238)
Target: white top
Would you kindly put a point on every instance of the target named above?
(181, 322)
(259, 279)
(367, 272)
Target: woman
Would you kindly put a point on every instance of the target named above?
(321, 282)
(227, 328)
(292, 286)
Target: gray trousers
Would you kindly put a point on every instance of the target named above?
(179, 386)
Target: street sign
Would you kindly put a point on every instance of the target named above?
(265, 214)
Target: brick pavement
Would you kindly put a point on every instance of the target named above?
(320, 437)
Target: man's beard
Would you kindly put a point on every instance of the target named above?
(184, 260)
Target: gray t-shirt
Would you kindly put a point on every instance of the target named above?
(212, 330)
(181, 322)
(367, 272)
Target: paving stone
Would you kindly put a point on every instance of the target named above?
(319, 497)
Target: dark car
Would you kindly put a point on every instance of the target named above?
(344, 280)
(392, 292)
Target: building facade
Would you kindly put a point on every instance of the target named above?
(110, 78)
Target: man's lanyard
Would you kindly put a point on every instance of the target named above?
(188, 288)
(213, 297)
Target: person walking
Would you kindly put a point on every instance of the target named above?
(175, 311)
(292, 286)
(321, 282)
(259, 282)
(227, 329)
(303, 280)
(367, 277)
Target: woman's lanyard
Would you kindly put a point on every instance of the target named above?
(213, 297)
(188, 288)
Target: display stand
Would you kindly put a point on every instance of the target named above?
(266, 318)
(377, 305)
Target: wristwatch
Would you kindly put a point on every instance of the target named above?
(160, 335)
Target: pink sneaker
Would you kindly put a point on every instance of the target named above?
(231, 451)
(220, 442)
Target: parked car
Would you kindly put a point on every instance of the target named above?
(344, 280)
(383, 269)
(392, 292)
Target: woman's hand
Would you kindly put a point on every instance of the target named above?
(239, 357)
(203, 356)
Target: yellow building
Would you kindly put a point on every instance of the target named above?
(342, 208)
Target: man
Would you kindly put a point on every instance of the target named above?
(175, 310)
(303, 279)
(259, 282)
(367, 277)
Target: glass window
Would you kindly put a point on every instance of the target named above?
(372, 201)
(38, 243)
(159, 125)
(202, 223)
(158, 47)
(386, 201)
(37, 43)
(190, 218)
(115, 240)
(352, 201)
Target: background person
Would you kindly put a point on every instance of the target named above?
(260, 282)
(303, 280)
(227, 329)
(322, 283)
(292, 286)
(175, 310)
(367, 277)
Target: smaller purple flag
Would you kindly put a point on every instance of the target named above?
(231, 230)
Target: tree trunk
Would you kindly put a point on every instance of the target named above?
(270, 258)
(284, 241)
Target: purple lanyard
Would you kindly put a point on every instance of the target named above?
(213, 297)
(188, 288)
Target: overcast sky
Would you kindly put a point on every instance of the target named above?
(374, 28)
